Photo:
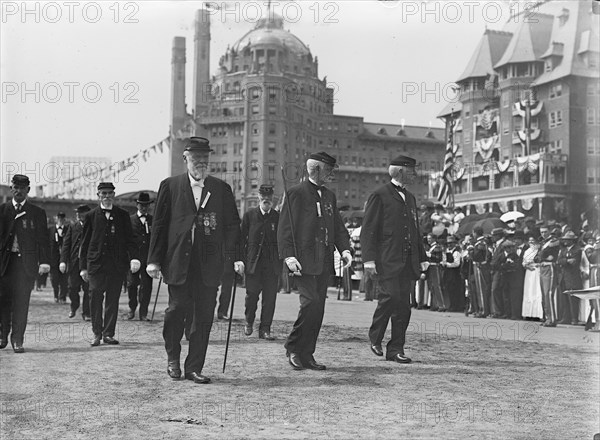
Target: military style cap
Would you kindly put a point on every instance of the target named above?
(61, 214)
(266, 190)
(478, 230)
(403, 161)
(144, 198)
(324, 157)
(82, 208)
(20, 179)
(519, 234)
(555, 231)
(570, 235)
(451, 239)
(198, 144)
(106, 185)
(498, 231)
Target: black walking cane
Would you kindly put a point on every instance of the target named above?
(230, 320)
(289, 210)
(156, 299)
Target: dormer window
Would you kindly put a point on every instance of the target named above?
(548, 65)
(563, 17)
(382, 131)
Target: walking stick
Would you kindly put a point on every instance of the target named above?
(156, 299)
(230, 320)
(289, 210)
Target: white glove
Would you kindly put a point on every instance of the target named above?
(424, 266)
(347, 257)
(62, 267)
(153, 270)
(44, 268)
(238, 267)
(369, 266)
(134, 265)
(293, 265)
(84, 275)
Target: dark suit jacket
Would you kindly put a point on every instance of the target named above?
(171, 238)
(259, 237)
(56, 243)
(142, 238)
(32, 234)
(391, 234)
(69, 253)
(92, 254)
(570, 274)
(316, 237)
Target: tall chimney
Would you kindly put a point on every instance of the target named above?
(178, 114)
(201, 63)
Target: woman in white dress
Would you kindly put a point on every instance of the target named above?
(532, 291)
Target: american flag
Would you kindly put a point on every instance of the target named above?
(446, 185)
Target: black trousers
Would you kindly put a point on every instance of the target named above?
(139, 290)
(60, 283)
(568, 305)
(514, 285)
(15, 293)
(107, 281)
(76, 284)
(497, 297)
(201, 299)
(394, 306)
(304, 334)
(226, 288)
(262, 280)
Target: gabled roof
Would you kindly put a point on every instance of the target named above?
(529, 42)
(490, 48)
(579, 34)
(451, 107)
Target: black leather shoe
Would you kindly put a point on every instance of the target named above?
(248, 329)
(86, 318)
(174, 370)
(295, 361)
(222, 316)
(3, 343)
(18, 348)
(143, 318)
(71, 314)
(96, 341)
(266, 335)
(314, 365)
(110, 340)
(376, 348)
(130, 314)
(197, 377)
(400, 358)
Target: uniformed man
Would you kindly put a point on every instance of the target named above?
(569, 277)
(547, 257)
(139, 284)
(69, 265)
(310, 227)
(482, 256)
(58, 279)
(196, 228)
(392, 249)
(108, 250)
(24, 253)
(498, 278)
(259, 237)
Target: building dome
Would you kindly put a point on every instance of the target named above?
(269, 32)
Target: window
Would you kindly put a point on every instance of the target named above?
(593, 147)
(555, 119)
(555, 91)
(272, 110)
(593, 175)
(555, 147)
(591, 116)
(505, 127)
(505, 100)
(224, 151)
(272, 129)
(467, 110)
(272, 147)
(593, 89)
(255, 129)
(254, 147)
(255, 109)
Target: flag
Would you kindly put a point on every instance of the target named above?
(446, 184)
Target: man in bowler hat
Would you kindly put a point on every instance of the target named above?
(24, 253)
(69, 265)
(108, 250)
(59, 279)
(310, 227)
(196, 228)
(263, 266)
(139, 284)
(393, 250)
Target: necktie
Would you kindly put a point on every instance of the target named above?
(107, 211)
(19, 207)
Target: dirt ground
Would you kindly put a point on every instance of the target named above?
(456, 387)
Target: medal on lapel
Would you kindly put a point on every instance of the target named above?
(24, 224)
(206, 225)
(272, 226)
(112, 229)
(328, 209)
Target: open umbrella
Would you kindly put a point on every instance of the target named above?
(585, 294)
(511, 216)
(488, 224)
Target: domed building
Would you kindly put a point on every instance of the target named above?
(265, 108)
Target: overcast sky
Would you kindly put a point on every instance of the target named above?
(382, 56)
